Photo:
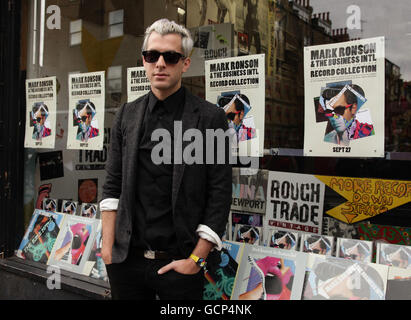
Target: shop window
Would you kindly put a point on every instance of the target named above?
(116, 23)
(221, 29)
(75, 32)
(114, 75)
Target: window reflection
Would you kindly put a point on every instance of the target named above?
(106, 35)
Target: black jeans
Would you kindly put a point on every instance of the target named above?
(136, 279)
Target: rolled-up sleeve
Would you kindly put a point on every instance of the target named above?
(109, 204)
(208, 234)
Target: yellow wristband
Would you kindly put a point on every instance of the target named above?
(199, 261)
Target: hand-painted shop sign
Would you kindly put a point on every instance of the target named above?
(366, 198)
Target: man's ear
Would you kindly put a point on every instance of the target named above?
(186, 64)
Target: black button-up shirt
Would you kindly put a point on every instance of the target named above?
(153, 223)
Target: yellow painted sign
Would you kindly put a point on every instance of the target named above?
(366, 198)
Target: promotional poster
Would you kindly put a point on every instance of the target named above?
(213, 41)
(207, 12)
(238, 86)
(249, 191)
(344, 99)
(86, 111)
(137, 83)
(294, 202)
(41, 101)
(249, 17)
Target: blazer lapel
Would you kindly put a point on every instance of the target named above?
(189, 121)
(134, 123)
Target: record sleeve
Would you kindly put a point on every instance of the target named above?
(394, 255)
(243, 218)
(354, 249)
(280, 239)
(221, 270)
(331, 278)
(248, 234)
(252, 219)
(74, 243)
(312, 243)
(398, 284)
(338, 229)
(40, 237)
(95, 267)
(69, 207)
(50, 205)
(269, 274)
(89, 210)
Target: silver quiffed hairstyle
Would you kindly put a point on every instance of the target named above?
(164, 27)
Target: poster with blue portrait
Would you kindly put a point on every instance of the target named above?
(344, 99)
(237, 85)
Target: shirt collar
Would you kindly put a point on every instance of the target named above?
(171, 103)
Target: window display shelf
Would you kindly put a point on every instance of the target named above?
(23, 279)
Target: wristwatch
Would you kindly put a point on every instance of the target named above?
(201, 262)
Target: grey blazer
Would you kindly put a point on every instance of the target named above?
(201, 193)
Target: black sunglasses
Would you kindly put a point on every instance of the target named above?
(170, 57)
(340, 110)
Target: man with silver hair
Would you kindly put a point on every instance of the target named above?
(161, 221)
